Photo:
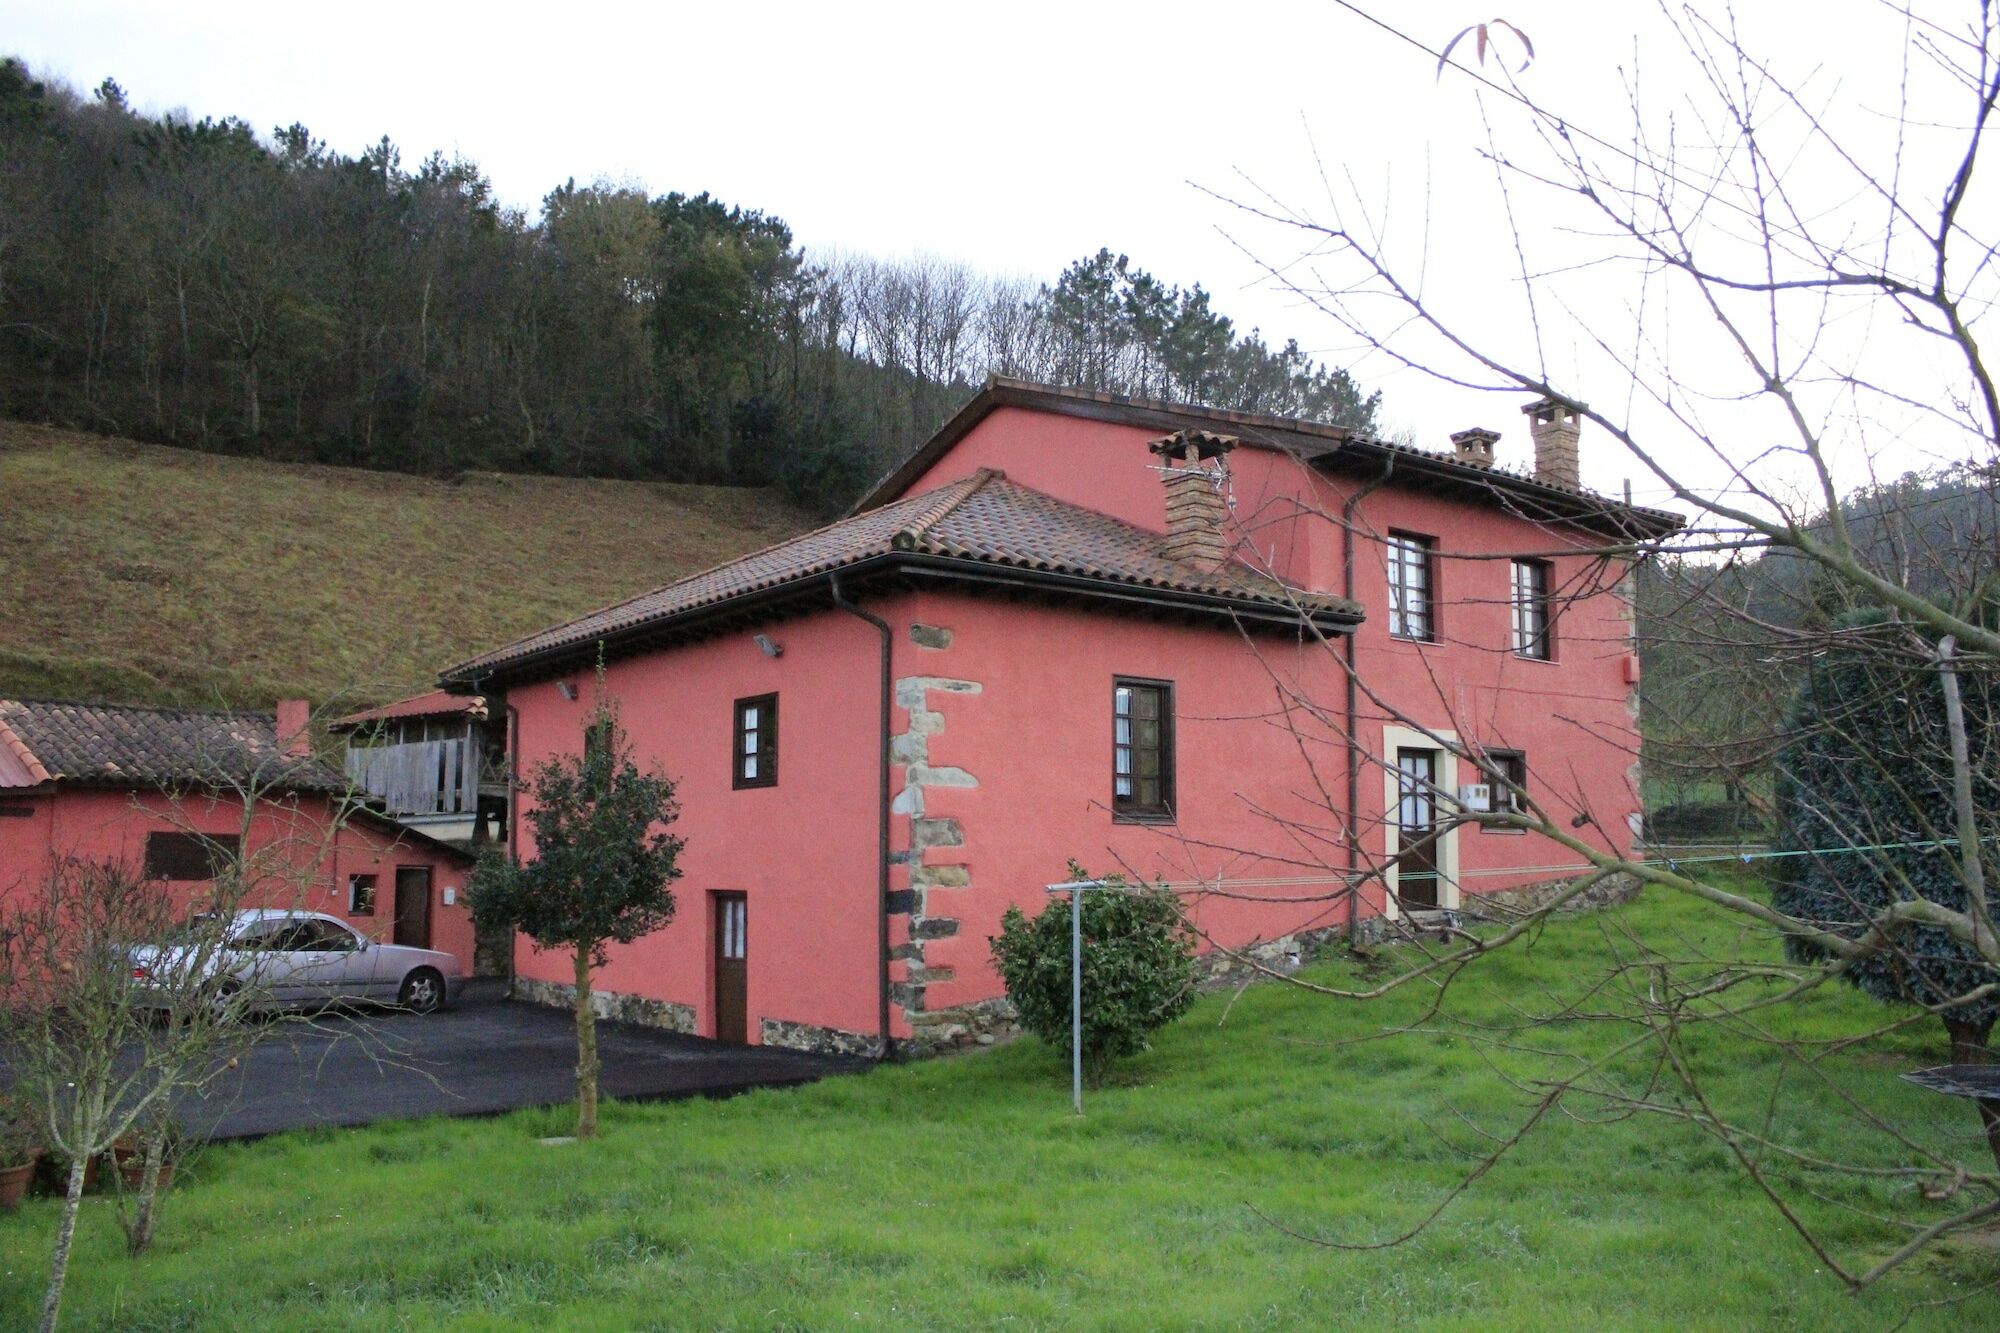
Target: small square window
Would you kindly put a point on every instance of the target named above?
(755, 761)
(361, 895)
(1503, 767)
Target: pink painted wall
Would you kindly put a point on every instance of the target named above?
(1037, 738)
(802, 852)
(1260, 792)
(286, 839)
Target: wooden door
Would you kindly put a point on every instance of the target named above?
(732, 980)
(1416, 820)
(413, 906)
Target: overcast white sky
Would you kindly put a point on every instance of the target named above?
(1015, 137)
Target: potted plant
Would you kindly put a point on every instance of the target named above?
(20, 1146)
(129, 1154)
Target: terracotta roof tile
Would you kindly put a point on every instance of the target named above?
(983, 518)
(436, 703)
(114, 745)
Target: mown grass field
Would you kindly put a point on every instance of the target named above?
(961, 1194)
(144, 574)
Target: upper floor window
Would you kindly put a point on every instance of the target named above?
(1412, 585)
(756, 747)
(1142, 749)
(1532, 619)
(189, 856)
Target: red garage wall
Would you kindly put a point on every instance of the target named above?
(287, 843)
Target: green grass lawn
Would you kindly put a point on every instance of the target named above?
(961, 1194)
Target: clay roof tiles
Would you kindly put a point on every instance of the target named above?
(121, 746)
(981, 519)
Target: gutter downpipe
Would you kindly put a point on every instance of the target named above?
(1347, 511)
(882, 805)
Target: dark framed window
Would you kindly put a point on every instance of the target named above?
(1413, 586)
(1142, 749)
(1512, 766)
(756, 744)
(1534, 621)
(361, 895)
(189, 856)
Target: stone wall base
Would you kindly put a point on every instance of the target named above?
(1503, 907)
(825, 1041)
(609, 1005)
(1216, 970)
(982, 1023)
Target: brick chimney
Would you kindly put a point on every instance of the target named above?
(1474, 447)
(294, 729)
(1197, 508)
(1555, 427)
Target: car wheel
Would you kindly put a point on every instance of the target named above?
(224, 1005)
(423, 991)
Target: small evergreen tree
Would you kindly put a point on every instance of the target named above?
(1138, 969)
(1867, 760)
(603, 863)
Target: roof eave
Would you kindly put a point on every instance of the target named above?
(1242, 610)
(1565, 506)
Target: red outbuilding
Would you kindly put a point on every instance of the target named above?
(1256, 658)
(172, 793)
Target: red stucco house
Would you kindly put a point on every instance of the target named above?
(164, 792)
(1246, 655)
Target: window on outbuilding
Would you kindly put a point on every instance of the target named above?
(1142, 749)
(361, 895)
(1533, 620)
(185, 857)
(1412, 586)
(756, 745)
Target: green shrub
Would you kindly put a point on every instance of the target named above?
(1138, 969)
(1867, 763)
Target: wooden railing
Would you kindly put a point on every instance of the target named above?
(419, 777)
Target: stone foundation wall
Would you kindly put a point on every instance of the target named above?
(609, 1005)
(825, 1041)
(1216, 970)
(935, 1032)
(1503, 907)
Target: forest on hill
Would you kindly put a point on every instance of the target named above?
(191, 282)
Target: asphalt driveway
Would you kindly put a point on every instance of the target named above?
(484, 1056)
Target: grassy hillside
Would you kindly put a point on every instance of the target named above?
(153, 575)
(961, 1194)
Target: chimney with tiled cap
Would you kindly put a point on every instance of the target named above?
(294, 728)
(1197, 508)
(1555, 427)
(1474, 447)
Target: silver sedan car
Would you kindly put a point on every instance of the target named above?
(278, 958)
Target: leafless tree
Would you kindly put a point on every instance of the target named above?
(1844, 268)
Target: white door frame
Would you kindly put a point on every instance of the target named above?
(1403, 738)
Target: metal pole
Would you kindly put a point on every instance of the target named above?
(1075, 889)
(1076, 998)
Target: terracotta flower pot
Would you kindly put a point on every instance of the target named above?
(132, 1170)
(14, 1184)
